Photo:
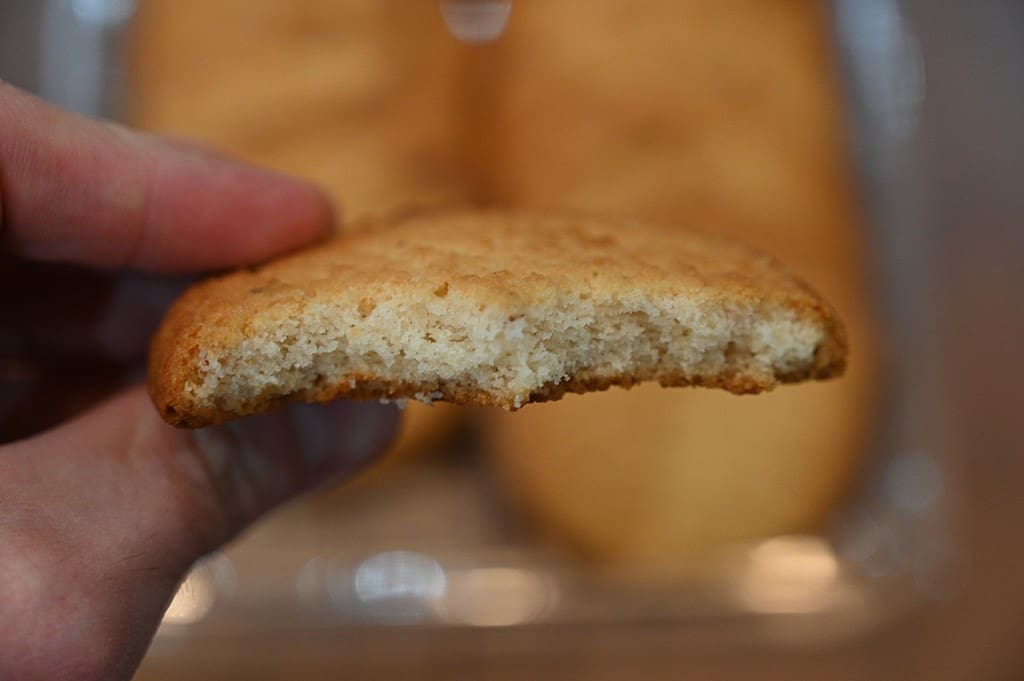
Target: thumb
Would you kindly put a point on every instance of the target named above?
(100, 518)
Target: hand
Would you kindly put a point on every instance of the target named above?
(100, 517)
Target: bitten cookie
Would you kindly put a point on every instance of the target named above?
(490, 308)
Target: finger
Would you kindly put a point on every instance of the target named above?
(83, 191)
(100, 519)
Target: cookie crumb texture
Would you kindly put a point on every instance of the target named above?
(490, 308)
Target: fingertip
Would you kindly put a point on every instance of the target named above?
(313, 207)
(311, 210)
(314, 213)
(209, 211)
(81, 191)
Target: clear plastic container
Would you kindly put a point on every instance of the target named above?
(431, 553)
(427, 570)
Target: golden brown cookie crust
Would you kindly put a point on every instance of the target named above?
(490, 308)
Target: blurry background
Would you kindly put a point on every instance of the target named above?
(861, 528)
(726, 117)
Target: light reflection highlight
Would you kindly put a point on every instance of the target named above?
(497, 597)
(789, 575)
(211, 579)
(399, 574)
(887, 62)
(913, 482)
(396, 585)
(310, 578)
(103, 12)
(476, 21)
(193, 601)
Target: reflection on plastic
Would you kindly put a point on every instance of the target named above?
(310, 577)
(476, 21)
(398, 585)
(103, 12)
(888, 63)
(913, 482)
(790, 575)
(497, 597)
(80, 58)
(193, 601)
(212, 578)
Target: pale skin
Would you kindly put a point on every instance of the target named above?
(102, 515)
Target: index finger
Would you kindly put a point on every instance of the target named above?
(87, 192)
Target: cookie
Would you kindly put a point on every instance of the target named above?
(327, 90)
(730, 114)
(328, 87)
(490, 308)
(664, 480)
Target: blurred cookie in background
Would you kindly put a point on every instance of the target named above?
(665, 108)
(721, 115)
(642, 478)
(359, 96)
